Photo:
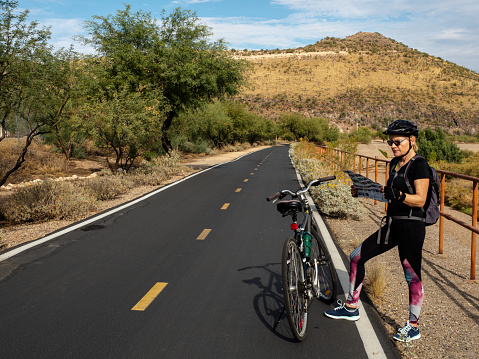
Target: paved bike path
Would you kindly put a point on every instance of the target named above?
(73, 295)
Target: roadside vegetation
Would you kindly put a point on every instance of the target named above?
(50, 199)
(332, 198)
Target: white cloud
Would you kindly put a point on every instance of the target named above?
(63, 31)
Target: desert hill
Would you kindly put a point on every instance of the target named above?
(365, 78)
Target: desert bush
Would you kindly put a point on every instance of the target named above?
(171, 164)
(468, 165)
(155, 172)
(48, 200)
(458, 195)
(106, 188)
(332, 198)
(149, 174)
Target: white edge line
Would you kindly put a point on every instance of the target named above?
(368, 336)
(49, 237)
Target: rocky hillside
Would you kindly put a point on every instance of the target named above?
(363, 79)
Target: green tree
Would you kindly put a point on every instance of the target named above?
(247, 126)
(175, 59)
(314, 129)
(124, 111)
(21, 43)
(434, 147)
(68, 134)
(124, 124)
(33, 83)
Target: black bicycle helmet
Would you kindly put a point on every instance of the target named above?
(402, 128)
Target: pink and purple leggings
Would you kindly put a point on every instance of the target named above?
(408, 236)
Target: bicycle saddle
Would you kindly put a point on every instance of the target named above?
(292, 205)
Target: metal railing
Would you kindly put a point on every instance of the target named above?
(340, 164)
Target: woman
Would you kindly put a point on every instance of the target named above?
(404, 228)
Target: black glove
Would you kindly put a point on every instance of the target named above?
(394, 194)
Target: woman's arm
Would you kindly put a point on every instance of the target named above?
(411, 200)
(418, 199)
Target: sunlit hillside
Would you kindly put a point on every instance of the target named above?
(365, 78)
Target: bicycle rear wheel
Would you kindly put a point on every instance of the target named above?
(295, 301)
(325, 281)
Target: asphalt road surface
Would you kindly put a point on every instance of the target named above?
(193, 271)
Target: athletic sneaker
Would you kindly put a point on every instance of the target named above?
(407, 333)
(342, 312)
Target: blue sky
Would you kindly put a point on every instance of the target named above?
(445, 28)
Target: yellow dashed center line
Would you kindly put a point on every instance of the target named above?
(203, 234)
(149, 297)
(246, 180)
(238, 190)
(252, 173)
(225, 206)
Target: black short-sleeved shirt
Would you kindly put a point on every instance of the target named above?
(417, 169)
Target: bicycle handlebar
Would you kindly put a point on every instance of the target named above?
(286, 192)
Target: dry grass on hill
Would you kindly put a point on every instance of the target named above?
(363, 77)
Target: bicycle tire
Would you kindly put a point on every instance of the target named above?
(295, 301)
(327, 281)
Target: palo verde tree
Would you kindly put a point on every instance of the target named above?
(190, 68)
(124, 109)
(175, 60)
(21, 43)
(32, 79)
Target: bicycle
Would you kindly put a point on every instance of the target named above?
(306, 266)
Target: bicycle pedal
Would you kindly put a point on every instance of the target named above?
(324, 296)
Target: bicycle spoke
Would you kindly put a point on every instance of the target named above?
(325, 277)
(293, 289)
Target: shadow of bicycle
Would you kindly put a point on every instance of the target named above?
(269, 303)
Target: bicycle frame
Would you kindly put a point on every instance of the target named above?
(305, 224)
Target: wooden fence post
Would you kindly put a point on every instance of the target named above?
(474, 235)
(441, 209)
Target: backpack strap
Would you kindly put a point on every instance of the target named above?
(411, 191)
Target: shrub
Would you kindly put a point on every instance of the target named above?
(332, 198)
(106, 188)
(434, 147)
(458, 195)
(363, 135)
(314, 129)
(48, 200)
(149, 174)
(153, 173)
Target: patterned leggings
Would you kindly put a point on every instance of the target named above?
(408, 236)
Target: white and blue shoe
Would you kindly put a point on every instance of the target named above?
(407, 333)
(342, 312)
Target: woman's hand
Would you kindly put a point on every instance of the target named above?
(393, 194)
(354, 191)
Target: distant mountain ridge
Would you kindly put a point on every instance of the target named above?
(365, 79)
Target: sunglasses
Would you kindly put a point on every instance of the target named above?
(396, 142)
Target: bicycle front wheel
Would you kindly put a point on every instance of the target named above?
(295, 301)
(325, 281)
